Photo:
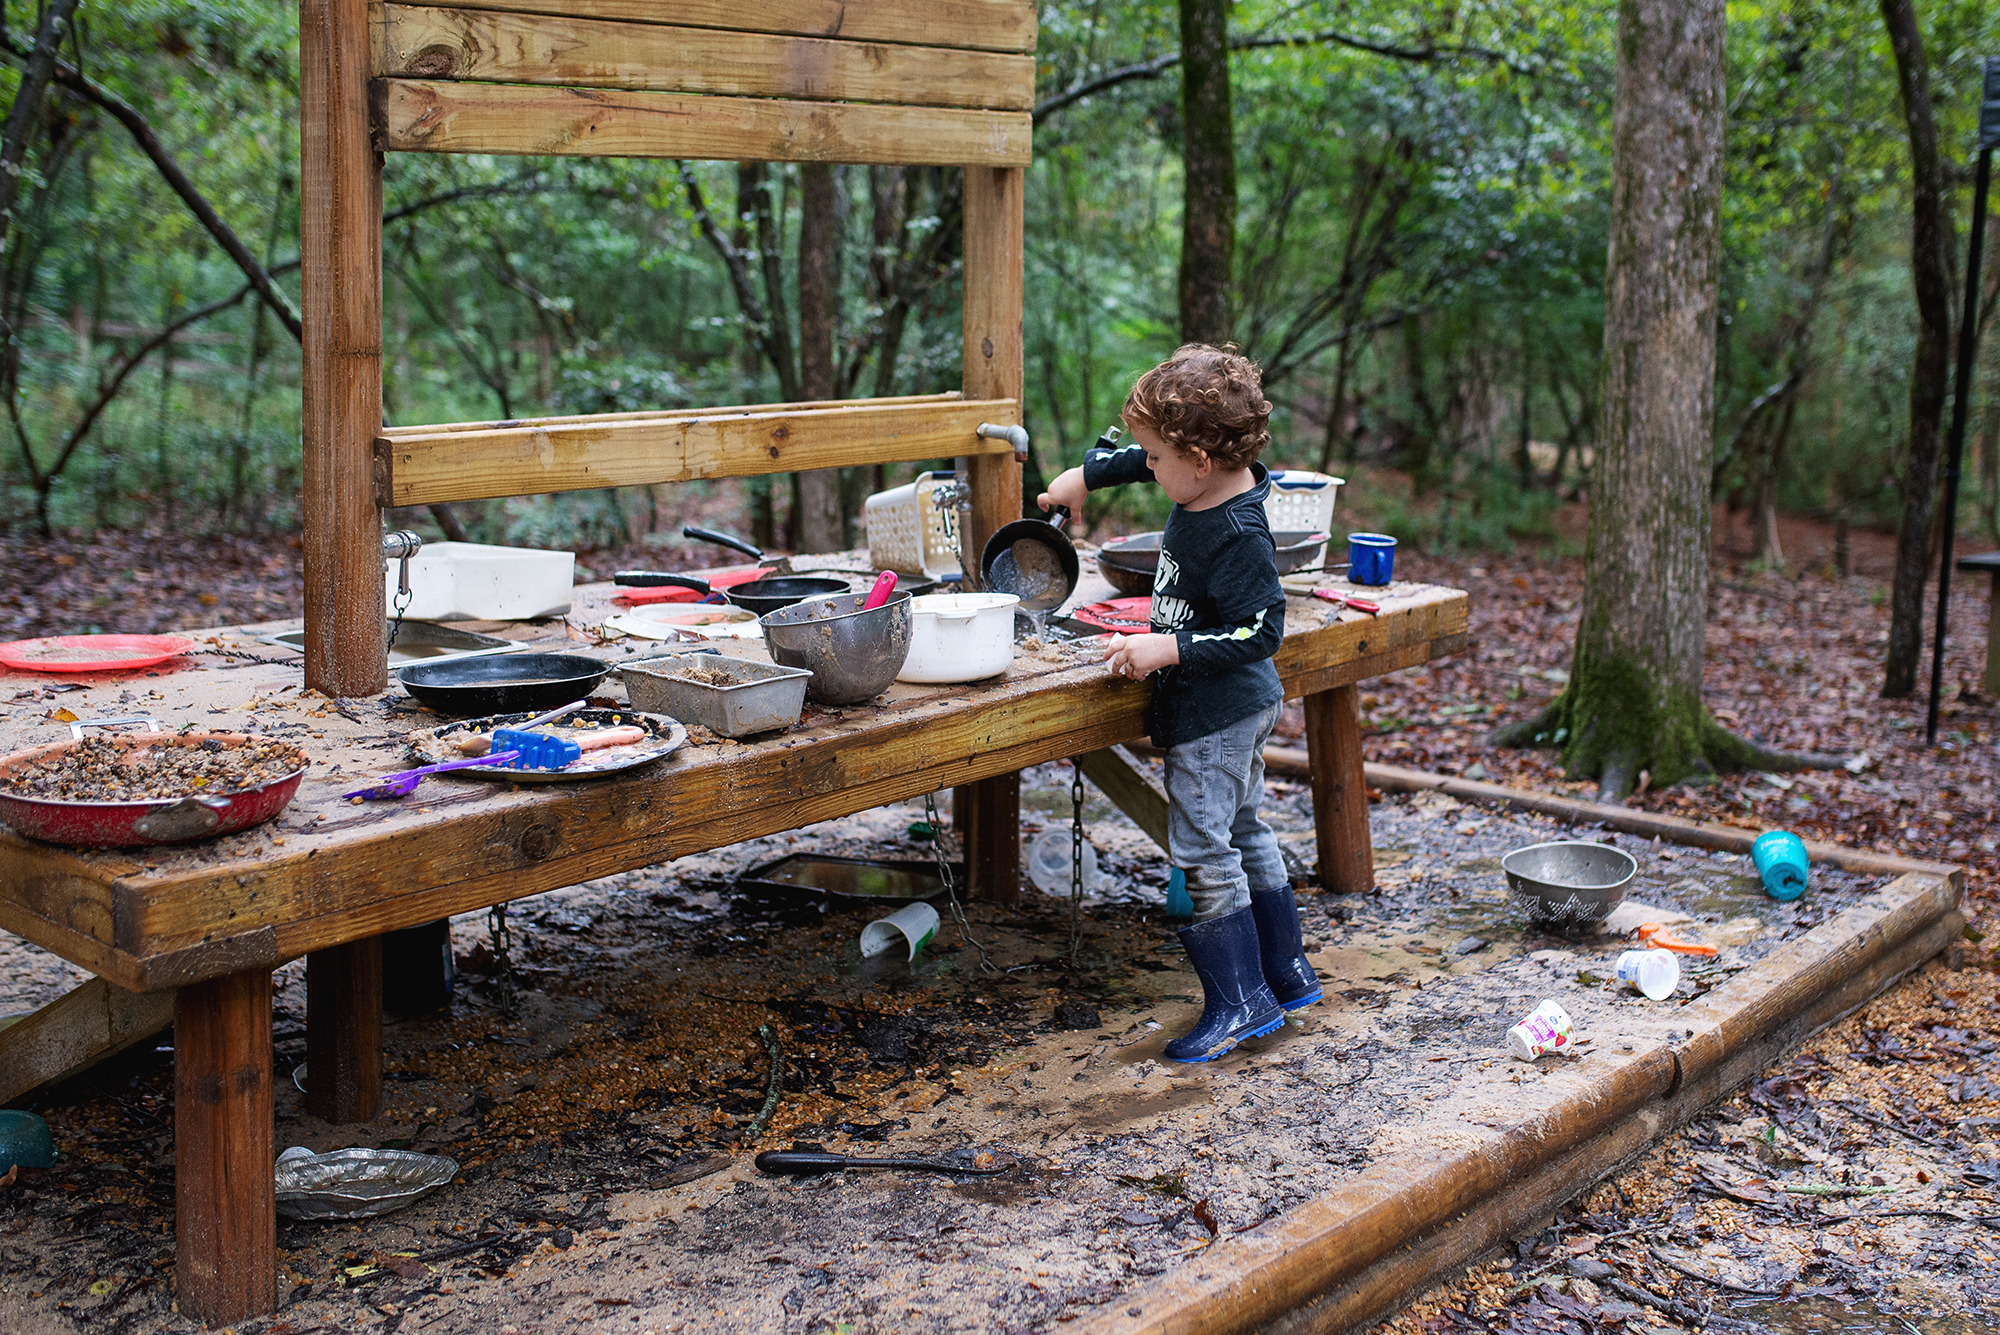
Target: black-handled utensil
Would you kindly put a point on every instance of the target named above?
(653, 579)
(722, 540)
(808, 1163)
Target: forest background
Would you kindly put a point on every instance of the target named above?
(1420, 240)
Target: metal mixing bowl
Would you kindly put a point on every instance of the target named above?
(853, 655)
(1570, 883)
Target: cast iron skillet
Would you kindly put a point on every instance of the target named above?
(1042, 533)
(504, 683)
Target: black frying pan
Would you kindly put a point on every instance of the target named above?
(503, 683)
(1046, 577)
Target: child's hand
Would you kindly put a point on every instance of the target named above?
(1141, 655)
(1067, 489)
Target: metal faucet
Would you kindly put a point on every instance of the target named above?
(399, 547)
(1013, 435)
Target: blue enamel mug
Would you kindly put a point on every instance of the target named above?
(1371, 558)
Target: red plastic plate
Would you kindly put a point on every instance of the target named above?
(91, 653)
(1121, 614)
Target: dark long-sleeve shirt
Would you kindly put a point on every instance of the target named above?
(1217, 593)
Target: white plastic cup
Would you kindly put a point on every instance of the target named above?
(915, 923)
(1653, 972)
(1049, 862)
(1546, 1028)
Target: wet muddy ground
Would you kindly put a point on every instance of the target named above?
(601, 1126)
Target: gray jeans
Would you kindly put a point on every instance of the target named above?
(1214, 834)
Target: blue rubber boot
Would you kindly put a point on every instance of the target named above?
(1235, 1002)
(1281, 948)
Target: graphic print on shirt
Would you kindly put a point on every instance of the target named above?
(1169, 613)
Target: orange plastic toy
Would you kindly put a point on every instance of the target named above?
(1653, 934)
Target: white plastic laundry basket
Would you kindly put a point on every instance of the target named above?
(906, 531)
(1302, 502)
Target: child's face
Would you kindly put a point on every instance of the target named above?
(1182, 476)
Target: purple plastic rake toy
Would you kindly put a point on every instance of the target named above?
(405, 782)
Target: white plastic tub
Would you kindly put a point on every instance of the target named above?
(959, 637)
(471, 581)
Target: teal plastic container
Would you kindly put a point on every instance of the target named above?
(1781, 861)
(25, 1141)
(1180, 905)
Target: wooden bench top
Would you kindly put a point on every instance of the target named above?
(327, 871)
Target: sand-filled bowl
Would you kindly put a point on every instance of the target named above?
(1568, 884)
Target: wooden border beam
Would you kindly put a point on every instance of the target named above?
(663, 414)
(582, 453)
(421, 42)
(436, 116)
(76, 1031)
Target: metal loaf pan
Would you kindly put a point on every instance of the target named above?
(760, 697)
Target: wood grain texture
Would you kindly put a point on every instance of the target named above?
(1340, 793)
(429, 116)
(74, 1032)
(340, 252)
(583, 453)
(428, 43)
(344, 1031)
(1130, 789)
(992, 831)
(988, 25)
(992, 364)
(661, 414)
(225, 1216)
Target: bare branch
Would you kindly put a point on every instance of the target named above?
(74, 81)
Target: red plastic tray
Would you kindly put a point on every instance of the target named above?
(91, 653)
(1120, 614)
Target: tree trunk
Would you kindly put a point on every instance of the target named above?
(1208, 171)
(1634, 696)
(819, 490)
(1930, 239)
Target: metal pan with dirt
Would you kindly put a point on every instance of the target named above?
(663, 736)
(99, 791)
(1128, 564)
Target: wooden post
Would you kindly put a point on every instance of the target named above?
(1340, 790)
(993, 219)
(992, 359)
(226, 1221)
(340, 249)
(344, 1031)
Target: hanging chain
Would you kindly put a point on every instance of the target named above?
(1075, 860)
(950, 886)
(402, 605)
(496, 925)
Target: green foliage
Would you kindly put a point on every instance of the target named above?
(1421, 245)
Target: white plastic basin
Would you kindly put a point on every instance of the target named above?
(472, 581)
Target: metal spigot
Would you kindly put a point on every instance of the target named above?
(399, 547)
(1016, 436)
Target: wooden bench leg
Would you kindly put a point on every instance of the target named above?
(225, 1194)
(1340, 792)
(988, 816)
(344, 1031)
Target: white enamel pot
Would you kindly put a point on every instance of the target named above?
(959, 637)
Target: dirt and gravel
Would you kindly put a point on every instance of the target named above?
(606, 1186)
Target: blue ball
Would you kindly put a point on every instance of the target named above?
(25, 1140)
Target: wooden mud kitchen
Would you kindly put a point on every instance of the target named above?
(200, 927)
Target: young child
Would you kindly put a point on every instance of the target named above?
(1198, 422)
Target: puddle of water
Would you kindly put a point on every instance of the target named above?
(1828, 1316)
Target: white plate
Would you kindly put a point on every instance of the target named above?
(711, 621)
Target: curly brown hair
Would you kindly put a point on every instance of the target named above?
(1205, 400)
